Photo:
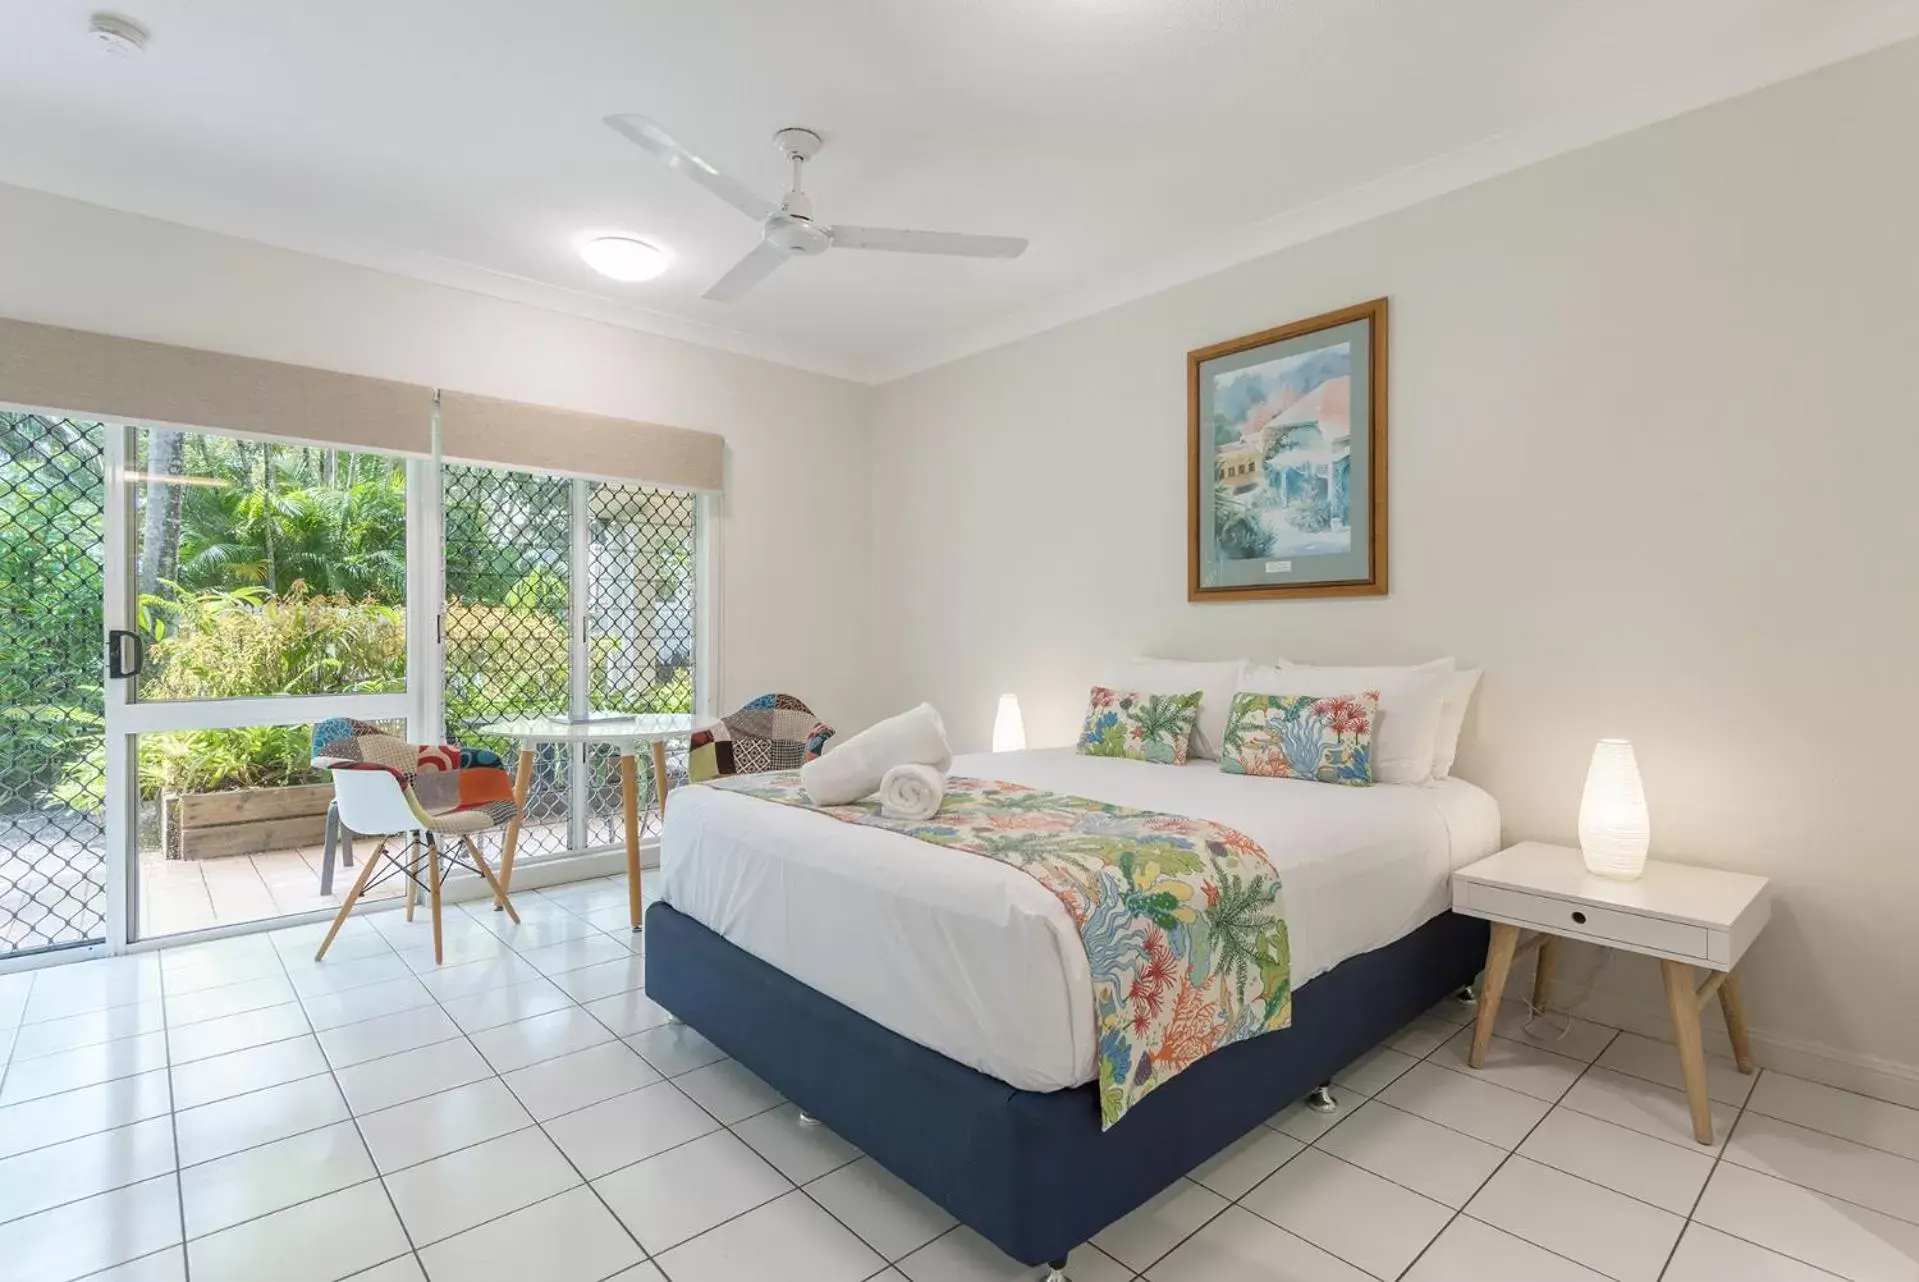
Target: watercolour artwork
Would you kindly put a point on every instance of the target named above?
(1288, 466)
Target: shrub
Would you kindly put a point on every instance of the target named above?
(225, 645)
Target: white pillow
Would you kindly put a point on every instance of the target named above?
(1217, 681)
(1409, 703)
(1453, 703)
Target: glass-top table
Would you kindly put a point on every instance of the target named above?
(626, 733)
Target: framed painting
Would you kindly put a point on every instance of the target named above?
(1287, 436)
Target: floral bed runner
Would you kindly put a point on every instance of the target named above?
(1183, 920)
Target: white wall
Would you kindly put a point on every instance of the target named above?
(797, 462)
(1655, 434)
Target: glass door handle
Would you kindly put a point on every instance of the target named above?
(117, 666)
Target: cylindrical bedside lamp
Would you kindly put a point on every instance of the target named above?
(1614, 831)
(1009, 729)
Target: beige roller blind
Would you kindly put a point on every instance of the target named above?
(479, 429)
(81, 373)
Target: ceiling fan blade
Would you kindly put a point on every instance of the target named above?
(927, 242)
(640, 130)
(746, 273)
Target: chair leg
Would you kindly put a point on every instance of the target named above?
(413, 873)
(352, 898)
(499, 891)
(332, 841)
(433, 884)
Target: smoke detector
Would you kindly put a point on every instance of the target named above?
(121, 37)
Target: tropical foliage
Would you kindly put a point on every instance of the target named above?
(1182, 919)
(1143, 727)
(1326, 739)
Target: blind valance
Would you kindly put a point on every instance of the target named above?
(480, 429)
(126, 378)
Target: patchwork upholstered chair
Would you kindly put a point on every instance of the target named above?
(772, 732)
(436, 796)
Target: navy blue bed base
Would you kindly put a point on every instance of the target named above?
(1031, 1171)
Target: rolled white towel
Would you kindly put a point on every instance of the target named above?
(911, 792)
(853, 769)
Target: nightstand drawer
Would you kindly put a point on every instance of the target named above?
(1585, 921)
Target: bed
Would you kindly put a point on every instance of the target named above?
(934, 1007)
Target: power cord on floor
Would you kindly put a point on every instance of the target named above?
(1539, 1014)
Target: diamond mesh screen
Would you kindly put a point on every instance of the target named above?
(641, 547)
(507, 625)
(53, 876)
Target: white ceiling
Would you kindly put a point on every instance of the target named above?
(1135, 142)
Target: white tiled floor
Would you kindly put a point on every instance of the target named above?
(233, 1111)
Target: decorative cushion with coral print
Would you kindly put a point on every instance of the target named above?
(1142, 727)
(1322, 738)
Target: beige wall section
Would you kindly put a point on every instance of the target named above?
(795, 533)
(1655, 420)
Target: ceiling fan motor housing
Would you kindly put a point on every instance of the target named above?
(796, 234)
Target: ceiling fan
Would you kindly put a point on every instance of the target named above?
(788, 229)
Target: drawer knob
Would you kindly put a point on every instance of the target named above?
(1579, 918)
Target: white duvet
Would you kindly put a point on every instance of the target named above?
(981, 963)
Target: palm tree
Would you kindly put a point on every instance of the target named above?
(338, 540)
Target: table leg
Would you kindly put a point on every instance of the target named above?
(659, 776)
(1682, 1003)
(1734, 1008)
(510, 844)
(1543, 967)
(630, 795)
(1499, 963)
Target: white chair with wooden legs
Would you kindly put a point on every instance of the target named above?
(377, 801)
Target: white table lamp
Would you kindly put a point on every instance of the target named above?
(1009, 729)
(1614, 831)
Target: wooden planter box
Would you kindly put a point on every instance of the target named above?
(249, 821)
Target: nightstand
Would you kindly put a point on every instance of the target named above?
(1685, 916)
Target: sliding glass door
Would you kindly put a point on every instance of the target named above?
(270, 587)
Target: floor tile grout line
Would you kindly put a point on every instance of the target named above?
(573, 1001)
(178, 1169)
(649, 1257)
(173, 1122)
(405, 1232)
(1312, 1144)
(33, 980)
(1691, 1216)
(1501, 1165)
(645, 1255)
(1725, 1142)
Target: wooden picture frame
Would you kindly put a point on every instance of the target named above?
(1286, 448)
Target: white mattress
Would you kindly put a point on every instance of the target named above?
(980, 962)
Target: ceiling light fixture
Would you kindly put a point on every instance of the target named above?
(121, 37)
(623, 258)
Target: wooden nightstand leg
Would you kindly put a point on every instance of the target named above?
(1499, 963)
(1682, 1003)
(1543, 969)
(1734, 1009)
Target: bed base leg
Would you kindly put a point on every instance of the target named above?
(1321, 1100)
(1465, 995)
(807, 1119)
(1056, 1270)
(671, 1018)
